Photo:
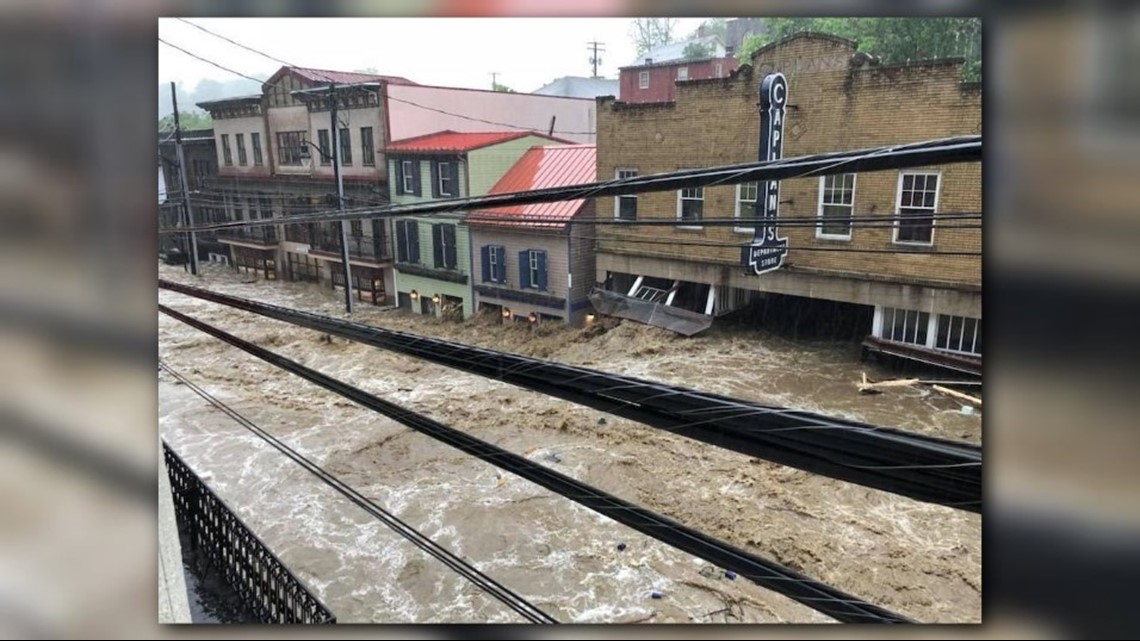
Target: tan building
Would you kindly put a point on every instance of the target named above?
(838, 100)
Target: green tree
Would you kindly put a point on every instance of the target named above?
(697, 50)
(505, 89)
(188, 119)
(648, 33)
(893, 40)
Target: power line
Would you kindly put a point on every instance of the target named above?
(512, 600)
(765, 573)
(210, 62)
(389, 96)
(842, 449)
(944, 151)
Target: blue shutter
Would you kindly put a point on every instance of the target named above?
(485, 252)
(450, 254)
(437, 245)
(434, 164)
(502, 252)
(413, 231)
(416, 178)
(524, 269)
(542, 270)
(401, 241)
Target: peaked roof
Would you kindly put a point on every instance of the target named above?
(325, 76)
(579, 87)
(541, 167)
(454, 141)
(676, 50)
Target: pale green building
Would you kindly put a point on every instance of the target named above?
(433, 256)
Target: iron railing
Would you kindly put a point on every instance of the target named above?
(264, 235)
(359, 246)
(261, 580)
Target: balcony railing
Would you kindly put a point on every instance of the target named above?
(367, 247)
(263, 234)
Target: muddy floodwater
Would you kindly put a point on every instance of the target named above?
(920, 560)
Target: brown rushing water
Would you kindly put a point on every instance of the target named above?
(920, 560)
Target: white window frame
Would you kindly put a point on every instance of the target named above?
(617, 199)
(880, 325)
(682, 224)
(439, 165)
(898, 205)
(739, 208)
(532, 264)
(819, 233)
(408, 179)
(961, 336)
(682, 73)
(493, 263)
(719, 69)
(643, 80)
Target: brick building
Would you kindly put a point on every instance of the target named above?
(838, 100)
(655, 80)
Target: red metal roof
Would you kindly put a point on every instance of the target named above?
(453, 141)
(539, 168)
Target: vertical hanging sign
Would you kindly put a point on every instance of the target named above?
(766, 252)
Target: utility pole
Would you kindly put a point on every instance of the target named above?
(189, 215)
(595, 59)
(340, 200)
(494, 79)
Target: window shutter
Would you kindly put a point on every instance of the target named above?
(502, 251)
(399, 176)
(485, 252)
(416, 190)
(434, 178)
(437, 245)
(413, 232)
(449, 257)
(524, 269)
(401, 241)
(542, 270)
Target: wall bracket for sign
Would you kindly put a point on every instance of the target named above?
(767, 250)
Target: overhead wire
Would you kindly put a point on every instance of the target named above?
(944, 151)
(768, 574)
(481, 580)
(743, 426)
(389, 96)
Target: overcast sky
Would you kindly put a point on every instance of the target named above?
(461, 52)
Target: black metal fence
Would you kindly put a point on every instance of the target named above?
(262, 582)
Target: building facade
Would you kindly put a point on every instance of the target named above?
(655, 80)
(201, 169)
(537, 261)
(274, 153)
(920, 274)
(432, 252)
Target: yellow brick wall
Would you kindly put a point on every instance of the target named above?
(834, 107)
